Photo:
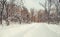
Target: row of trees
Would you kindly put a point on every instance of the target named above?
(10, 12)
(53, 12)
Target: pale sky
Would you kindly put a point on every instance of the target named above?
(32, 3)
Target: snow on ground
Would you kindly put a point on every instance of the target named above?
(30, 30)
(54, 28)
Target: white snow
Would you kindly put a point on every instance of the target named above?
(30, 30)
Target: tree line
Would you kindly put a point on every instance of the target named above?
(13, 13)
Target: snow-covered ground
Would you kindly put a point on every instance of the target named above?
(30, 30)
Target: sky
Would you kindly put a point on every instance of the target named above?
(31, 4)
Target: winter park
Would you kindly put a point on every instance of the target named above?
(29, 18)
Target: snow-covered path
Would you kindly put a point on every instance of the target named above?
(31, 30)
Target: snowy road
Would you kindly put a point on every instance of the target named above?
(31, 30)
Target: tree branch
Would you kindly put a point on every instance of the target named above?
(42, 5)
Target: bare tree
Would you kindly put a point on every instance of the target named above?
(44, 5)
(32, 14)
(47, 7)
(3, 2)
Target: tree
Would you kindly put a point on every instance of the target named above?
(3, 2)
(48, 10)
(44, 5)
(25, 15)
(59, 0)
(32, 14)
